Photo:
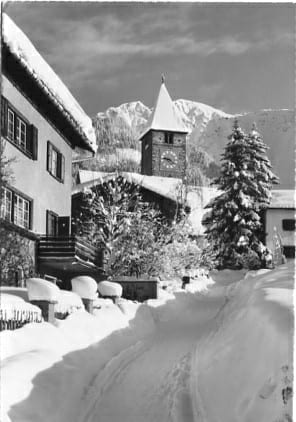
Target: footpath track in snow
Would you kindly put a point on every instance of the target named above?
(220, 355)
(150, 381)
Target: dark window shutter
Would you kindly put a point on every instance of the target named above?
(47, 222)
(62, 168)
(34, 142)
(4, 114)
(31, 215)
(49, 153)
(59, 166)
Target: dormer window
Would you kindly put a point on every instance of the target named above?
(169, 138)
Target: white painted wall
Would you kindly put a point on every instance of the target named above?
(274, 218)
(31, 177)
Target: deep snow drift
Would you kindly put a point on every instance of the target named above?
(222, 354)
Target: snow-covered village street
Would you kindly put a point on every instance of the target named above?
(147, 211)
(220, 352)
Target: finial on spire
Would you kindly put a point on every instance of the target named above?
(162, 78)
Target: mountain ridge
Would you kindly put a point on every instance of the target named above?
(208, 131)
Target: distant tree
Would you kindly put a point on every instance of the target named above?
(201, 168)
(114, 133)
(5, 169)
(233, 225)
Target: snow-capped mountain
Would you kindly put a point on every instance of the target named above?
(195, 116)
(134, 115)
(210, 127)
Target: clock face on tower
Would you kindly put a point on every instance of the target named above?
(168, 160)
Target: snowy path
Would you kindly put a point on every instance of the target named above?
(150, 381)
(217, 356)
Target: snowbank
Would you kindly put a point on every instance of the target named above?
(22, 48)
(68, 303)
(57, 362)
(243, 369)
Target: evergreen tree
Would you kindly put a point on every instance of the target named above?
(131, 232)
(233, 225)
(136, 237)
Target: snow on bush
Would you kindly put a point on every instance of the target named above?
(39, 289)
(15, 312)
(109, 288)
(85, 286)
(68, 303)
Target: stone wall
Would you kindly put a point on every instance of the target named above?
(17, 255)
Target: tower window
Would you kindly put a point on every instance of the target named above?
(169, 138)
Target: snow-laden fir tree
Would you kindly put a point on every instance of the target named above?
(233, 224)
(136, 237)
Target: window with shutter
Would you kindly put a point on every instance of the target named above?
(16, 208)
(55, 162)
(18, 130)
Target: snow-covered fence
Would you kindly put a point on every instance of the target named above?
(15, 312)
(86, 287)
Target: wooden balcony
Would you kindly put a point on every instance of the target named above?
(67, 249)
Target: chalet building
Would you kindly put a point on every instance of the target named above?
(41, 125)
(279, 218)
(167, 194)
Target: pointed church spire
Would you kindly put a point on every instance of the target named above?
(164, 116)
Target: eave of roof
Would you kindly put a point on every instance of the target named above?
(166, 187)
(282, 198)
(15, 43)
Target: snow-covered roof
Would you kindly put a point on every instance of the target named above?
(283, 198)
(30, 59)
(168, 187)
(165, 115)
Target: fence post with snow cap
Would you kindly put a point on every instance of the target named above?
(110, 290)
(86, 287)
(45, 295)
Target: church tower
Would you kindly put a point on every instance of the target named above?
(164, 140)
